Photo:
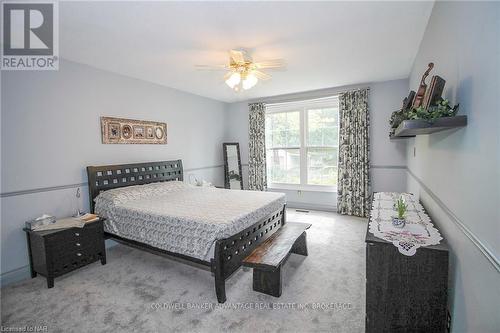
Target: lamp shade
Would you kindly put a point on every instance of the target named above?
(233, 80)
(249, 81)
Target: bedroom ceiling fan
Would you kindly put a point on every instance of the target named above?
(242, 71)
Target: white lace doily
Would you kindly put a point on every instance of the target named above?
(418, 230)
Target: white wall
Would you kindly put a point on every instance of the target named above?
(457, 173)
(50, 131)
(388, 158)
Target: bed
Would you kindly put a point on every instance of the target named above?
(148, 206)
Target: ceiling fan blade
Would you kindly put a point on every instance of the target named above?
(271, 64)
(237, 56)
(261, 75)
(210, 67)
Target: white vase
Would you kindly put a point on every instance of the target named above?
(398, 223)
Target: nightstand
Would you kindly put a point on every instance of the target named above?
(53, 253)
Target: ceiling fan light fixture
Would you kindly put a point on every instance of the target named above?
(233, 80)
(250, 81)
(242, 72)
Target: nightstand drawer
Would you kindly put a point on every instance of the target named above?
(74, 243)
(77, 235)
(59, 251)
(75, 259)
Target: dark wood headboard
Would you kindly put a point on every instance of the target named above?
(105, 177)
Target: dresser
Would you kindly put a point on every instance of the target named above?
(53, 253)
(405, 293)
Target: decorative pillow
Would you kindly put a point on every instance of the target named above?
(124, 194)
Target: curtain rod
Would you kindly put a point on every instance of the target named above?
(307, 100)
(321, 93)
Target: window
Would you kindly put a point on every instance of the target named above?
(302, 144)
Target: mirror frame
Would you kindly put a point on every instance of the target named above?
(226, 171)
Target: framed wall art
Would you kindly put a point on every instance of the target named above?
(123, 131)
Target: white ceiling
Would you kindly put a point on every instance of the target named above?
(325, 44)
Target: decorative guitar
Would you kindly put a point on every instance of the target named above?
(423, 86)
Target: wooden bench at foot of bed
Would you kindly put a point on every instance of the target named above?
(268, 258)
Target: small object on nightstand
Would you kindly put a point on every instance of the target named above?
(53, 253)
(88, 218)
(43, 220)
(68, 222)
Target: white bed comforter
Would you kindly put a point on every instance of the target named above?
(181, 218)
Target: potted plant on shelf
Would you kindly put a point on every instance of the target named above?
(441, 109)
(400, 205)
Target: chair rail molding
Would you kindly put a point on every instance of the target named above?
(76, 185)
(462, 227)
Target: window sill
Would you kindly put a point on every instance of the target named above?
(303, 188)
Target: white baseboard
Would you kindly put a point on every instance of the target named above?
(310, 206)
(15, 275)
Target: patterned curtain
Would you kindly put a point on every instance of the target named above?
(353, 189)
(257, 147)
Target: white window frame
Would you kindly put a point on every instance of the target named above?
(302, 107)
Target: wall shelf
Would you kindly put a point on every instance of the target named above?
(411, 128)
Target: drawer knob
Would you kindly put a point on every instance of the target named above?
(77, 234)
(77, 244)
(79, 254)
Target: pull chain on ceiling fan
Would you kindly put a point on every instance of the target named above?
(243, 73)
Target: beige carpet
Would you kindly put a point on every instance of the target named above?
(140, 292)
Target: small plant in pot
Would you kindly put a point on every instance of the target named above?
(400, 205)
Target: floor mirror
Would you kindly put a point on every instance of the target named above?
(232, 166)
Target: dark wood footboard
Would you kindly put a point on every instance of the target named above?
(230, 252)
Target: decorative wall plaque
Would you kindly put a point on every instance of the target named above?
(120, 130)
